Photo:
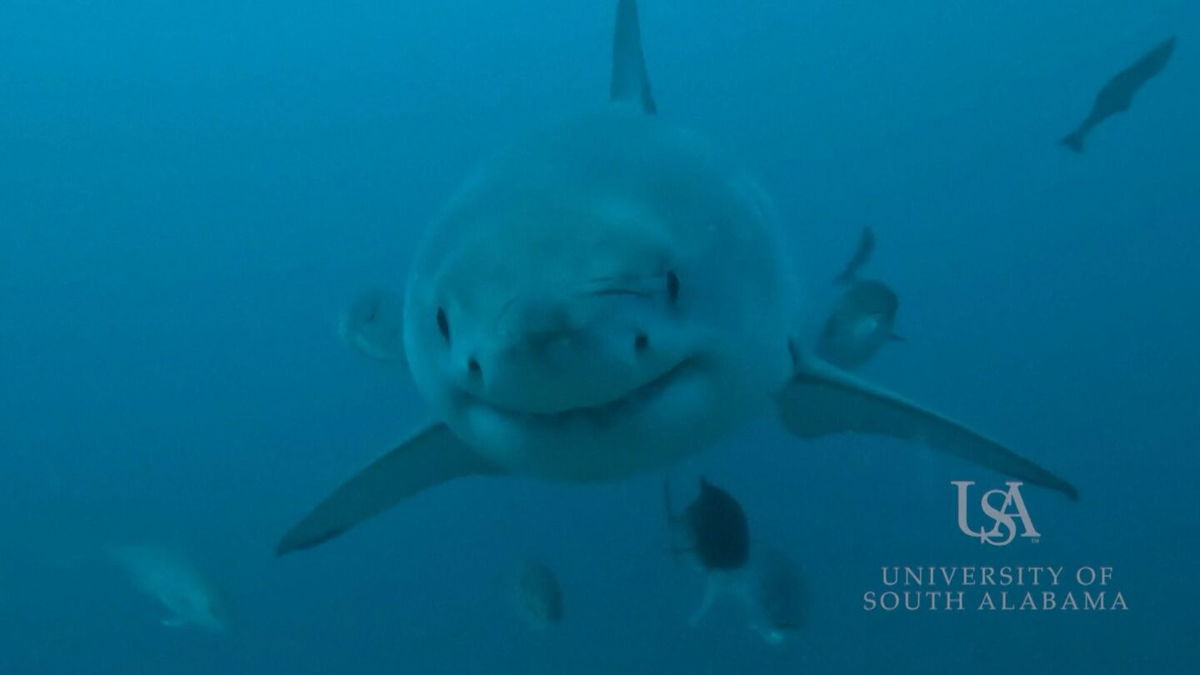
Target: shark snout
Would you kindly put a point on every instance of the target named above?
(547, 357)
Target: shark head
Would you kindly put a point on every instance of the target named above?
(604, 297)
(563, 325)
(560, 324)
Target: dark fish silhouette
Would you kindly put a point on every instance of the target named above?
(758, 576)
(866, 246)
(1116, 96)
(860, 324)
(714, 528)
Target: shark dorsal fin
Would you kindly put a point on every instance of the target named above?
(629, 79)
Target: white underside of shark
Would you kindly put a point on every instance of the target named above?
(608, 297)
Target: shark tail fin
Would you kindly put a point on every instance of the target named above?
(1074, 141)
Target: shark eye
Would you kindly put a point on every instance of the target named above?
(443, 324)
(672, 286)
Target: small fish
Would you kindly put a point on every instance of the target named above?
(1117, 94)
(714, 532)
(168, 577)
(866, 246)
(759, 577)
(860, 324)
(712, 528)
(539, 596)
(374, 324)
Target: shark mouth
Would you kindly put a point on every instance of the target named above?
(601, 411)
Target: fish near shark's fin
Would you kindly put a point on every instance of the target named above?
(895, 337)
(821, 399)
(433, 456)
(630, 82)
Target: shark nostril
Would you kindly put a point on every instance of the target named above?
(641, 342)
(474, 368)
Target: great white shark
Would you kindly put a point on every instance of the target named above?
(608, 297)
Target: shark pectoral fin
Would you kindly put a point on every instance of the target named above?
(630, 82)
(174, 622)
(433, 456)
(821, 400)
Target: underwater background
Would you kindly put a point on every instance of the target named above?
(191, 193)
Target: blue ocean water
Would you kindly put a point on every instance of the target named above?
(190, 194)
